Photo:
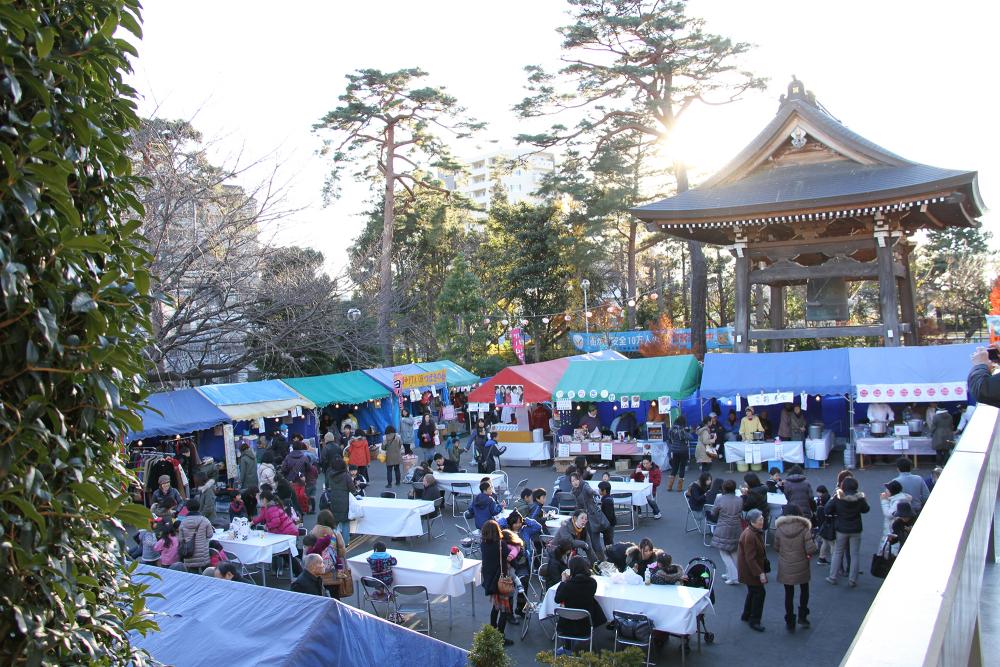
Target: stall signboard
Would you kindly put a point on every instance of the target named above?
(418, 380)
(629, 341)
(663, 404)
(607, 451)
(772, 398)
(509, 395)
(449, 412)
(229, 441)
(563, 450)
(635, 401)
(564, 404)
(912, 392)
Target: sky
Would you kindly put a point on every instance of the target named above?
(915, 77)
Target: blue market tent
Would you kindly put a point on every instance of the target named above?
(250, 400)
(930, 364)
(177, 412)
(209, 621)
(824, 372)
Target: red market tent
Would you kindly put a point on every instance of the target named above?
(539, 380)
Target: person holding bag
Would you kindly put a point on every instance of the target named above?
(753, 568)
(427, 437)
(497, 582)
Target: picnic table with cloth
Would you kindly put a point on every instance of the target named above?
(641, 492)
(672, 609)
(791, 451)
(445, 480)
(392, 517)
(432, 571)
(259, 547)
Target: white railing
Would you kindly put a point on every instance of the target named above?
(927, 610)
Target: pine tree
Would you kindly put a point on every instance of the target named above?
(460, 310)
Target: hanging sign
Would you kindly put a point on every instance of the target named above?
(915, 392)
(229, 441)
(772, 398)
(738, 408)
(624, 402)
(260, 424)
(663, 404)
(606, 451)
(635, 401)
(564, 450)
(517, 343)
(449, 412)
(418, 380)
(804, 401)
(564, 404)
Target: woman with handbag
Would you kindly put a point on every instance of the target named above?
(794, 543)
(588, 501)
(427, 437)
(497, 580)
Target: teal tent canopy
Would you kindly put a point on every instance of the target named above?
(457, 376)
(676, 377)
(351, 387)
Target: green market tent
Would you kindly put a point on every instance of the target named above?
(457, 376)
(676, 377)
(351, 387)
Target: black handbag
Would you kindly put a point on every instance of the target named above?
(767, 566)
(882, 560)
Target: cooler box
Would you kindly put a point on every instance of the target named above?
(813, 463)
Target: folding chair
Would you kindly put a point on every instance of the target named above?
(413, 600)
(708, 525)
(436, 515)
(617, 478)
(520, 485)
(569, 614)
(633, 630)
(470, 542)
(565, 502)
(697, 516)
(376, 593)
(388, 494)
(461, 491)
(246, 572)
(623, 508)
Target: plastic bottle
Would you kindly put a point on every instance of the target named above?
(646, 578)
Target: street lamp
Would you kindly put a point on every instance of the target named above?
(585, 284)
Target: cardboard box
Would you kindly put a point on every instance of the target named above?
(562, 463)
(622, 465)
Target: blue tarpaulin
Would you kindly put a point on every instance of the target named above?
(250, 400)
(824, 372)
(177, 412)
(209, 621)
(928, 364)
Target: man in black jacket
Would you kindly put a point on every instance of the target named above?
(983, 386)
(311, 579)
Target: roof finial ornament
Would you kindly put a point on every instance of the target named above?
(797, 91)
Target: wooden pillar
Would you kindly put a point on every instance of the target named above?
(759, 313)
(741, 330)
(887, 297)
(777, 315)
(908, 296)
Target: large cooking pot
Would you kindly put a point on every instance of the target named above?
(878, 428)
(916, 426)
(758, 435)
(815, 431)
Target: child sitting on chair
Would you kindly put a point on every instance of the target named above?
(381, 564)
(237, 507)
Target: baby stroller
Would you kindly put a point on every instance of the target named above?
(701, 574)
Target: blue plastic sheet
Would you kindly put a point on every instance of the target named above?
(208, 621)
(177, 412)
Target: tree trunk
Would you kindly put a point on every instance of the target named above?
(723, 300)
(388, 228)
(699, 279)
(684, 288)
(633, 230)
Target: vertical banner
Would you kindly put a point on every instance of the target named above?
(517, 343)
(230, 444)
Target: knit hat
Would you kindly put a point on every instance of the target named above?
(164, 479)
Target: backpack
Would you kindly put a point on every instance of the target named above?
(186, 547)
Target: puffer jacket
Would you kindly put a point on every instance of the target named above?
(265, 474)
(339, 484)
(295, 465)
(847, 511)
(248, 471)
(276, 520)
(393, 447)
(729, 510)
(358, 452)
(677, 440)
(798, 492)
(485, 507)
(201, 529)
(669, 576)
(794, 543)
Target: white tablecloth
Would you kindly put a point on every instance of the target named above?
(791, 451)
(672, 609)
(259, 547)
(641, 491)
(420, 569)
(446, 479)
(773, 499)
(525, 451)
(391, 517)
(818, 449)
(884, 446)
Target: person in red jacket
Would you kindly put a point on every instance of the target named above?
(274, 517)
(647, 466)
(359, 454)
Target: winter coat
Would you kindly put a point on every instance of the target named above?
(308, 583)
(729, 511)
(276, 521)
(756, 499)
(846, 511)
(677, 441)
(792, 426)
(492, 567)
(406, 430)
(750, 556)
(248, 471)
(425, 435)
(748, 426)
(655, 475)
(635, 561)
(942, 431)
(393, 446)
(265, 474)
(358, 452)
(916, 487)
(798, 492)
(201, 528)
(339, 484)
(794, 543)
(206, 498)
(706, 445)
(566, 538)
(889, 506)
(295, 465)
(580, 592)
(588, 501)
(484, 508)
(696, 497)
(168, 554)
(147, 539)
(670, 576)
